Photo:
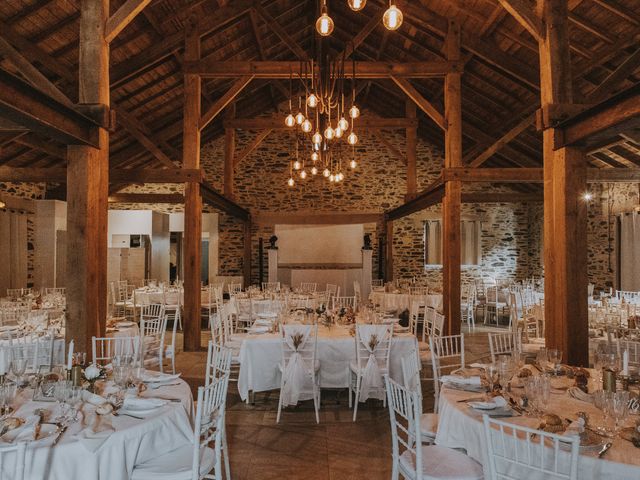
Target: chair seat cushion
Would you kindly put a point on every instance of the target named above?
(175, 465)
(429, 425)
(441, 463)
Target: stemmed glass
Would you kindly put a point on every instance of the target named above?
(7, 394)
(18, 367)
(597, 365)
(543, 387)
(555, 357)
(541, 357)
(61, 392)
(531, 392)
(601, 399)
(74, 400)
(618, 407)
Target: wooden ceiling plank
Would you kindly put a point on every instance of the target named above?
(524, 14)
(287, 39)
(123, 17)
(223, 101)
(33, 141)
(362, 35)
(615, 7)
(277, 123)
(429, 109)
(624, 70)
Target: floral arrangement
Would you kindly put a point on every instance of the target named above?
(92, 373)
(297, 340)
(373, 342)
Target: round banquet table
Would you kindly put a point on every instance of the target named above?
(402, 301)
(133, 441)
(460, 426)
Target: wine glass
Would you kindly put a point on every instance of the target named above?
(7, 395)
(601, 398)
(74, 400)
(18, 367)
(554, 356)
(541, 357)
(531, 393)
(60, 393)
(618, 406)
(597, 365)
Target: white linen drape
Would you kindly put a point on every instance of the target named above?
(295, 373)
(630, 251)
(371, 385)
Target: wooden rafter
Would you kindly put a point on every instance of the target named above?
(146, 198)
(362, 35)
(135, 128)
(522, 11)
(277, 123)
(123, 17)
(287, 39)
(427, 107)
(223, 101)
(625, 69)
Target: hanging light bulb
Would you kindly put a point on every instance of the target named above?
(299, 118)
(357, 5)
(314, 170)
(353, 164)
(290, 121)
(317, 138)
(324, 24)
(332, 178)
(352, 138)
(326, 172)
(291, 182)
(343, 124)
(314, 156)
(338, 131)
(312, 100)
(354, 112)
(296, 165)
(306, 126)
(329, 133)
(303, 174)
(392, 18)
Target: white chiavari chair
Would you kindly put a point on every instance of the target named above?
(413, 460)
(333, 290)
(357, 292)
(196, 460)
(172, 301)
(377, 282)
(446, 352)
(417, 317)
(344, 302)
(151, 312)
(411, 379)
(502, 344)
(218, 361)
(514, 451)
(13, 460)
(633, 349)
(55, 291)
(170, 349)
(299, 367)
(105, 348)
(373, 344)
(38, 352)
(152, 333)
(418, 291)
(270, 286)
(234, 288)
(308, 287)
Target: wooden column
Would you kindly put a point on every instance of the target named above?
(388, 251)
(565, 244)
(88, 190)
(412, 136)
(451, 234)
(229, 153)
(246, 264)
(192, 196)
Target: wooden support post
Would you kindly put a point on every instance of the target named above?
(451, 234)
(229, 153)
(565, 256)
(246, 263)
(388, 251)
(412, 136)
(88, 172)
(192, 195)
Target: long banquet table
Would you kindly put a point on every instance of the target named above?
(261, 354)
(460, 426)
(133, 441)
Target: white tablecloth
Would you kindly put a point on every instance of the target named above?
(402, 301)
(133, 442)
(261, 354)
(461, 427)
(147, 296)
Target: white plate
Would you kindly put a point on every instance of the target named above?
(46, 430)
(160, 378)
(125, 324)
(482, 405)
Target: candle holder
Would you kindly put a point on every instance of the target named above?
(76, 375)
(68, 377)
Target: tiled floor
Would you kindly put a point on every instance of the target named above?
(297, 447)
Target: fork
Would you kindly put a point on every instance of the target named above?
(116, 414)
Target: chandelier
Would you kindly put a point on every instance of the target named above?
(324, 136)
(392, 18)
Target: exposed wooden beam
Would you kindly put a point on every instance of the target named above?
(251, 147)
(283, 69)
(287, 39)
(123, 17)
(613, 175)
(31, 73)
(501, 197)
(173, 198)
(315, 218)
(229, 154)
(412, 141)
(25, 105)
(277, 123)
(616, 77)
(522, 11)
(135, 175)
(502, 175)
(211, 196)
(427, 198)
(33, 141)
(362, 35)
(223, 101)
(502, 141)
(614, 6)
(138, 131)
(427, 107)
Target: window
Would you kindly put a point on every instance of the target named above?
(471, 251)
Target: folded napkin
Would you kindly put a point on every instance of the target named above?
(93, 398)
(157, 377)
(25, 433)
(496, 402)
(476, 381)
(98, 430)
(138, 403)
(575, 428)
(578, 394)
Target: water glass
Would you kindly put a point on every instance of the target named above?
(601, 400)
(555, 357)
(121, 375)
(618, 408)
(61, 391)
(531, 393)
(491, 371)
(18, 367)
(7, 395)
(74, 400)
(543, 387)
(541, 357)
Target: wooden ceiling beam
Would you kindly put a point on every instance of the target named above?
(173, 198)
(281, 33)
(501, 197)
(502, 175)
(214, 198)
(277, 123)
(223, 101)
(619, 75)
(432, 195)
(362, 35)
(138, 131)
(33, 141)
(614, 6)
(523, 12)
(123, 17)
(427, 107)
(136, 175)
(209, 68)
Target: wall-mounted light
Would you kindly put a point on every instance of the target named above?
(3, 205)
(587, 196)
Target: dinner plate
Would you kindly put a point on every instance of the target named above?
(125, 324)
(46, 430)
(483, 405)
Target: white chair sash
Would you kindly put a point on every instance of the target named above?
(295, 373)
(371, 386)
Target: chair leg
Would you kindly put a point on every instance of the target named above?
(225, 453)
(357, 399)
(349, 376)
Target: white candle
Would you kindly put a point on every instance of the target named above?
(625, 363)
(3, 360)
(70, 356)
